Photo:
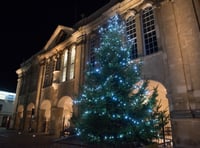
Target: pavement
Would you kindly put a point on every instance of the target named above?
(13, 139)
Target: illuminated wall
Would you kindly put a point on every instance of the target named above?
(7, 106)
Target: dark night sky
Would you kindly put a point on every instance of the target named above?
(26, 26)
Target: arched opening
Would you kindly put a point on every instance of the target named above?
(19, 117)
(30, 112)
(162, 98)
(165, 135)
(66, 103)
(44, 115)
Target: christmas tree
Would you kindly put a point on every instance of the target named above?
(115, 105)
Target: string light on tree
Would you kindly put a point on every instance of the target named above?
(115, 108)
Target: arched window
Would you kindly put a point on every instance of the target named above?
(149, 31)
(131, 33)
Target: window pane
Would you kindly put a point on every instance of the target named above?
(131, 33)
(149, 31)
(72, 63)
(64, 69)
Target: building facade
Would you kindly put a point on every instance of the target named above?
(165, 34)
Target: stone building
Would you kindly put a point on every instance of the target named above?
(166, 35)
(7, 108)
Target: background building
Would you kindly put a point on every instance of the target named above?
(166, 35)
(7, 106)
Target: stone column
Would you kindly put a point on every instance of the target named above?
(181, 44)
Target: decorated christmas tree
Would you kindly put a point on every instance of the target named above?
(115, 105)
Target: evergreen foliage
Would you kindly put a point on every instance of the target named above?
(115, 105)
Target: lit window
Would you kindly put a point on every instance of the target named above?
(131, 33)
(49, 72)
(149, 31)
(64, 70)
(72, 63)
(58, 62)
